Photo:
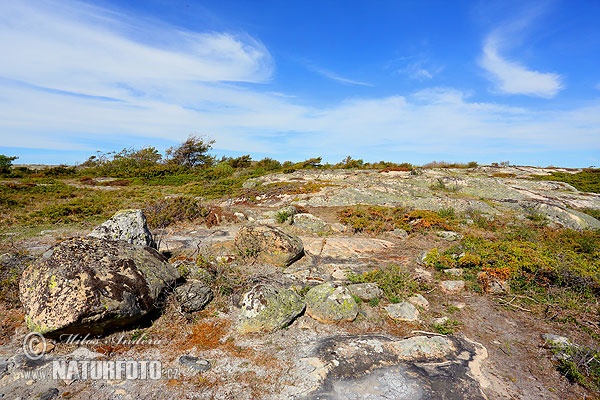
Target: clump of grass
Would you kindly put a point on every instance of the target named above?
(580, 364)
(446, 328)
(395, 282)
(282, 216)
(440, 184)
(447, 213)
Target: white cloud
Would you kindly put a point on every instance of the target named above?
(156, 94)
(420, 71)
(84, 49)
(333, 76)
(513, 78)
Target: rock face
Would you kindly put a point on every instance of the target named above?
(127, 225)
(266, 308)
(193, 296)
(92, 285)
(329, 304)
(269, 245)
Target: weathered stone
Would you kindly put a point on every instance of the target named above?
(453, 286)
(193, 296)
(399, 233)
(329, 304)
(454, 271)
(127, 225)
(91, 285)
(269, 245)
(418, 300)
(403, 311)
(266, 308)
(49, 394)
(417, 347)
(556, 340)
(449, 235)
(345, 248)
(310, 223)
(198, 364)
(366, 291)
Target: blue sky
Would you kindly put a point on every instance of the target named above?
(400, 81)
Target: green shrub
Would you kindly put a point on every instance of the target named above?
(587, 180)
(394, 281)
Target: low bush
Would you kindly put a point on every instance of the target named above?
(395, 282)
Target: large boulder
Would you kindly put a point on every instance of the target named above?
(88, 285)
(330, 304)
(266, 308)
(127, 225)
(269, 245)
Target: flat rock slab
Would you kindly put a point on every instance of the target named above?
(378, 367)
(452, 286)
(344, 247)
(403, 311)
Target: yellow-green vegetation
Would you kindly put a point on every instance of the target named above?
(395, 282)
(447, 327)
(587, 180)
(546, 258)
(378, 219)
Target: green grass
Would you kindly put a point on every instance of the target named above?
(587, 180)
(395, 282)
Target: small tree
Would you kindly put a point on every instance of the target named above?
(6, 163)
(192, 153)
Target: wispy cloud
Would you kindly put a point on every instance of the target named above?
(76, 47)
(512, 77)
(420, 70)
(333, 76)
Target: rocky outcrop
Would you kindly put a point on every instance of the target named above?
(127, 225)
(267, 244)
(266, 308)
(330, 304)
(92, 285)
(377, 367)
(193, 296)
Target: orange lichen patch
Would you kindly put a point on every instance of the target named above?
(501, 274)
(489, 275)
(207, 334)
